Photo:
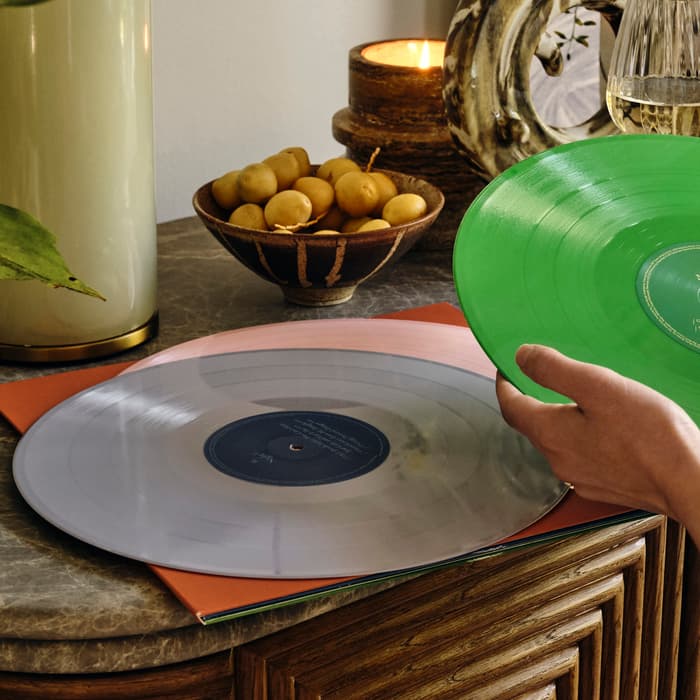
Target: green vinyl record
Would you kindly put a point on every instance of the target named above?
(592, 248)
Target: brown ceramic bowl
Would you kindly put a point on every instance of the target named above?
(319, 269)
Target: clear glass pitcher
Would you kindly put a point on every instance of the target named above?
(654, 76)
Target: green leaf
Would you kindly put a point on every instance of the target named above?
(9, 273)
(28, 251)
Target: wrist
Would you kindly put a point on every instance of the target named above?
(683, 494)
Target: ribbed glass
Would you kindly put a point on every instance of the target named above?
(654, 76)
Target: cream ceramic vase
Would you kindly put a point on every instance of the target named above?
(76, 152)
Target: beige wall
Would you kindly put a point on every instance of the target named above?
(236, 80)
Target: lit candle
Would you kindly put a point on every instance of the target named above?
(409, 53)
(397, 81)
(396, 105)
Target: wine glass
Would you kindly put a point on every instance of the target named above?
(654, 77)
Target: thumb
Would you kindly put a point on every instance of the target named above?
(580, 381)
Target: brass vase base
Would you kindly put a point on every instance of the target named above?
(81, 351)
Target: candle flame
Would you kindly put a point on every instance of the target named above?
(424, 61)
(422, 54)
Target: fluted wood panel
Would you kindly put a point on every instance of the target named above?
(689, 679)
(582, 618)
(579, 640)
(671, 619)
(547, 693)
(560, 668)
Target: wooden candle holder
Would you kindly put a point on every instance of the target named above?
(400, 110)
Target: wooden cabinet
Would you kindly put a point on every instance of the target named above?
(593, 616)
(610, 614)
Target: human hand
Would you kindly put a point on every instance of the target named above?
(620, 442)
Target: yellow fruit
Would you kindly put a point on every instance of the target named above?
(326, 231)
(302, 159)
(287, 208)
(354, 225)
(387, 190)
(333, 168)
(320, 192)
(374, 225)
(404, 208)
(257, 182)
(225, 190)
(249, 216)
(286, 168)
(356, 193)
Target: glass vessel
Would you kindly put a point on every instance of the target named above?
(76, 152)
(654, 77)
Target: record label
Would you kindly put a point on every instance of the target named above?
(297, 448)
(668, 287)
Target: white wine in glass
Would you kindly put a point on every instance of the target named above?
(654, 78)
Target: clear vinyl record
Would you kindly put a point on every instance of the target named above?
(291, 463)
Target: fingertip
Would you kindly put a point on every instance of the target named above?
(502, 384)
(522, 353)
(517, 409)
(507, 394)
(527, 353)
(552, 369)
(536, 361)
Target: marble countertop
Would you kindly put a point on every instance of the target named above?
(67, 607)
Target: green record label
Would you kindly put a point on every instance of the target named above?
(668, 287)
